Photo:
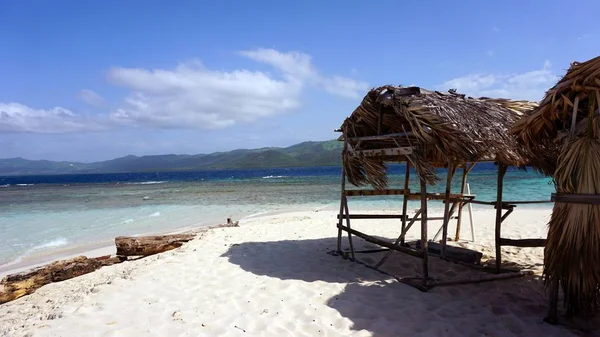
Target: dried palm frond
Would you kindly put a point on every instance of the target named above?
(572, 253)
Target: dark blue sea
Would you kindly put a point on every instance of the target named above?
(42, 214)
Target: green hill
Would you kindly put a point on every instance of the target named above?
(326, 153)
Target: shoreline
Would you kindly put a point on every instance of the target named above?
(279, 278)
(106, 247)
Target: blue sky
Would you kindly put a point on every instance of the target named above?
(94, 80)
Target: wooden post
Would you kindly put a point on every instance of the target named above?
(470, 207)
(348, 225)
(399, 239)
(405, 200)
(501, 172)
(450, 174)
(424, 245)
(463, 186)
(343, 186)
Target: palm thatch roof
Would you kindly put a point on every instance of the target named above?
(542, 131)
(437, 127)
(561, 139)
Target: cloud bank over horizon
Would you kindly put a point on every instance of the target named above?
(189, 96)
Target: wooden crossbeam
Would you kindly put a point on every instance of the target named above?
(383, 243)
(395, 151)
(589, 199)
(523, 242)
(381, 137)
(442, 196)
(373, 216)
(362, 193)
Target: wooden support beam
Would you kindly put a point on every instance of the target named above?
(393, 151)
(455, 253)
(342, 198)
(447, 215)
(442, 196)
(523, 242)
(483, 278)
(372, 216)
(362, 193)
(383, 243)
(381, 137)
(424, 245)
(370, 251)
(405, 201)
(400, 239)
(505, 215)
(499, 206)
(345, 201)
(443, 218)
(588, 199)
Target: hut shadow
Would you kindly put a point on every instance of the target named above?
(376, 303)
(307, 260)
(513, 307)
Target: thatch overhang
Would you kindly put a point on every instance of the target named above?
(429, 129)
(561, 138)
(543, 129)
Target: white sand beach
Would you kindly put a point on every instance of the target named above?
(273, 276)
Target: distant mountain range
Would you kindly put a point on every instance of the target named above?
(326, 153)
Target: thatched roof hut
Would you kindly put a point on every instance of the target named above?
(429, 129)
(561, 139)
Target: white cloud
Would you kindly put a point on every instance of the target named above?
(91, 98)
(15, 117)
(298, 66)
(293, 64)
(191, 96)
(530, 85)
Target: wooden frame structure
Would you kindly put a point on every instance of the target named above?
(374, 150)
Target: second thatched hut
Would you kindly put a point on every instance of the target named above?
(561, 138)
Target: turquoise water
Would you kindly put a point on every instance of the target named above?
(40, 215)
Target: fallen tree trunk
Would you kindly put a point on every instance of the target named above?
(21, 284)
(149, 245)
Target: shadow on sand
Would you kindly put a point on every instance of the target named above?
(377, 304)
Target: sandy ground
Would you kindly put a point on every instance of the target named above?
(275, 276)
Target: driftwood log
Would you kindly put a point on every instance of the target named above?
(150, 245)
(17, 285)
(21, 284)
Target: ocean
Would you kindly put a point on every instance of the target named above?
(46, 214)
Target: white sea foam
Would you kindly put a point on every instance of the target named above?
(256, 214)
(128, 221)
(24, 184)
(7, 185)
(155, 214)
(146, 183)
(273, 177)
(54, 243)
(50, 244)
